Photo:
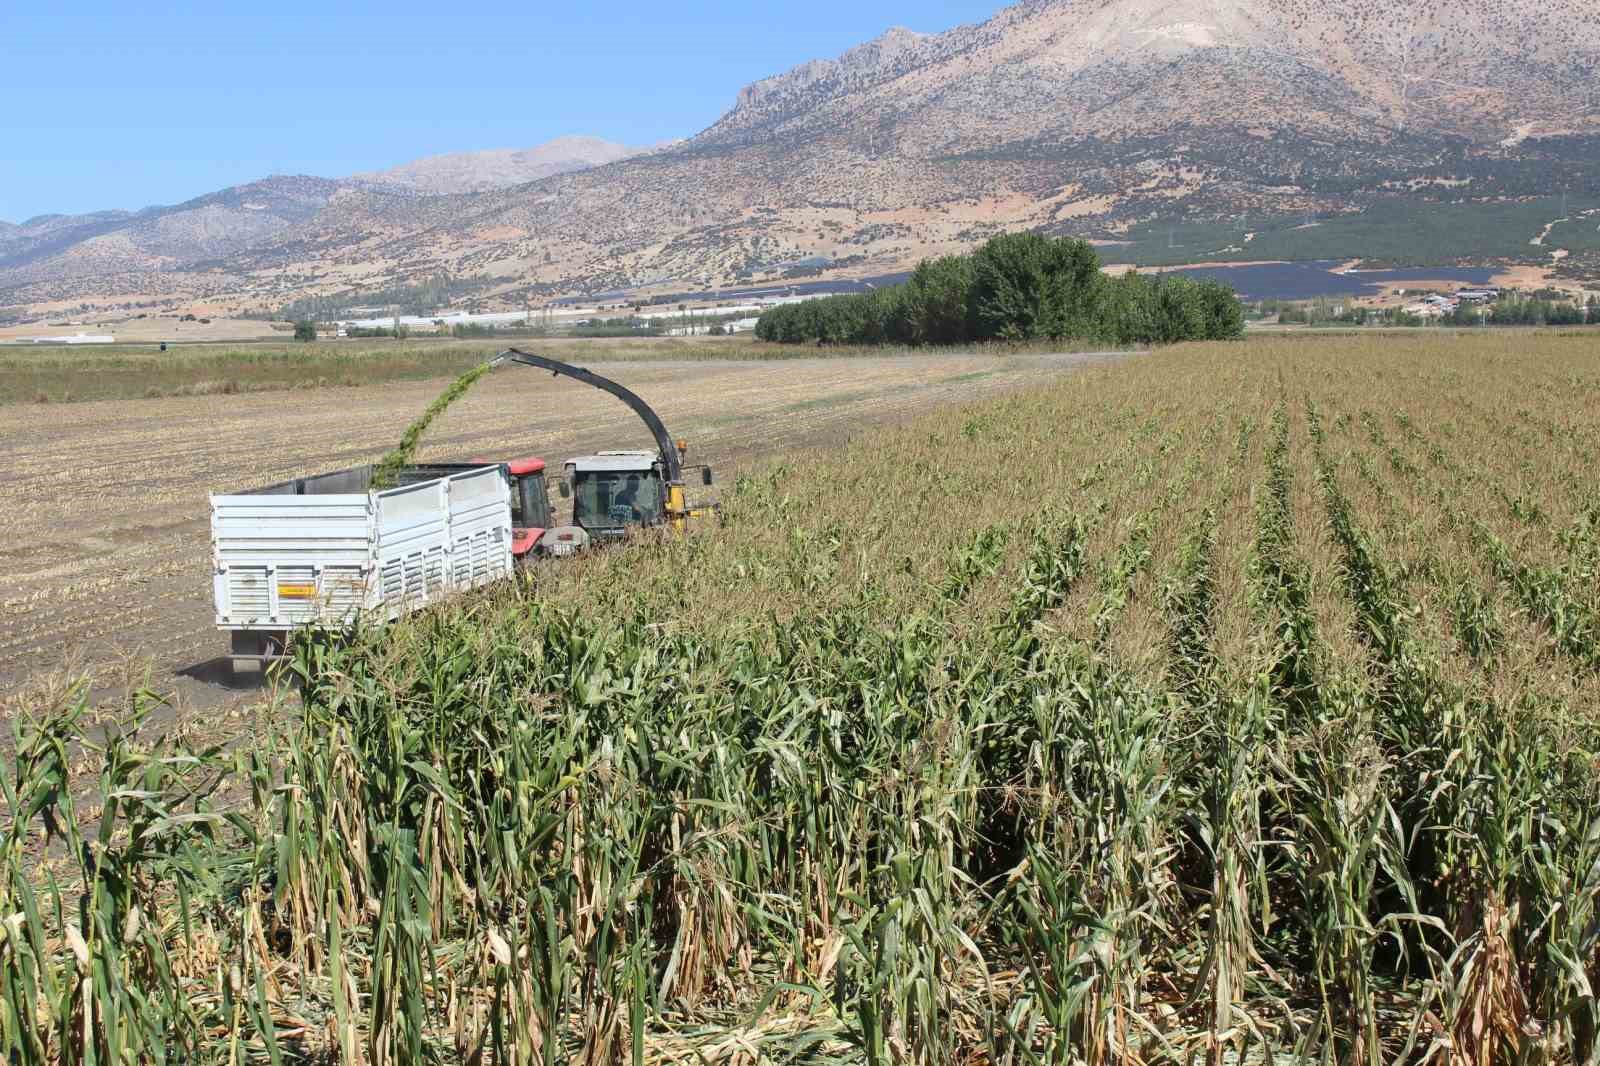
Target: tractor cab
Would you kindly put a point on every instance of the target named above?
(530, 504)
(531, 513)
(613, 492)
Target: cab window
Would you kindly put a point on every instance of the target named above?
(616, 498)
(530, 506)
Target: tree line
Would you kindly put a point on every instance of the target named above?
(1016, 287)
(1514, 311)
(422, 298)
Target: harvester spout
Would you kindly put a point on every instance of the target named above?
(671, 457)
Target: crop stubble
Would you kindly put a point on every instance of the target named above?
(103, 513)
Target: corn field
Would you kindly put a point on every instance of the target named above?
(1235, 704)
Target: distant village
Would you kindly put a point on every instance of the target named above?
(1436, 305)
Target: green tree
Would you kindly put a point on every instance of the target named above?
(1016, 287)
(305, 330)
(937, 299)
(1224, 314)
(1128, 310)
(1180, 311)
(1029, 287)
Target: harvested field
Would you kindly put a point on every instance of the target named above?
(103, 510)
(132, 372)
(148, 330)
(49, 375)
(1232, 704)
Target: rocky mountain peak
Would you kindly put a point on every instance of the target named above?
(863, 63)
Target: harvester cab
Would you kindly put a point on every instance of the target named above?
(615, 492)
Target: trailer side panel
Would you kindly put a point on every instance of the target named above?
(284, 560)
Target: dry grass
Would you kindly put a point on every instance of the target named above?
(120, 372)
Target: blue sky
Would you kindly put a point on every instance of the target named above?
(127, 105)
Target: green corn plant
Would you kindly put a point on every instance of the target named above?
(1235, 781)
(1341, 828)
(975, 561)
(1098, 892)
(1280, 584)
(1047, 1024)
(1189, 598)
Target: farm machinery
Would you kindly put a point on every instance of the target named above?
(615, 492)
(323, 549)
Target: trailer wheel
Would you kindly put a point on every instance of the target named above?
(253, 650)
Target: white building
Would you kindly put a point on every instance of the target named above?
(77, 338)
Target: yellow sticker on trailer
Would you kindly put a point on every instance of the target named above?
(297, 592)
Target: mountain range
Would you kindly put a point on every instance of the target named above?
(1067, 116)
(481, 171)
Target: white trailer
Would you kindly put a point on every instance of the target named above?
(326, 550)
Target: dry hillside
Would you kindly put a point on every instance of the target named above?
(1072, 116)
(501, 167)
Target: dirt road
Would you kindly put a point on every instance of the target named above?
(104, 538)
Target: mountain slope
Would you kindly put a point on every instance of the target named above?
(1074, 115)
(464, 172)
(1082, 116)
(213, 226)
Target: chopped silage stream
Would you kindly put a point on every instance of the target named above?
(404, 454)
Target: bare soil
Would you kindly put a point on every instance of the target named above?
(148, 330)
(104, 536)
